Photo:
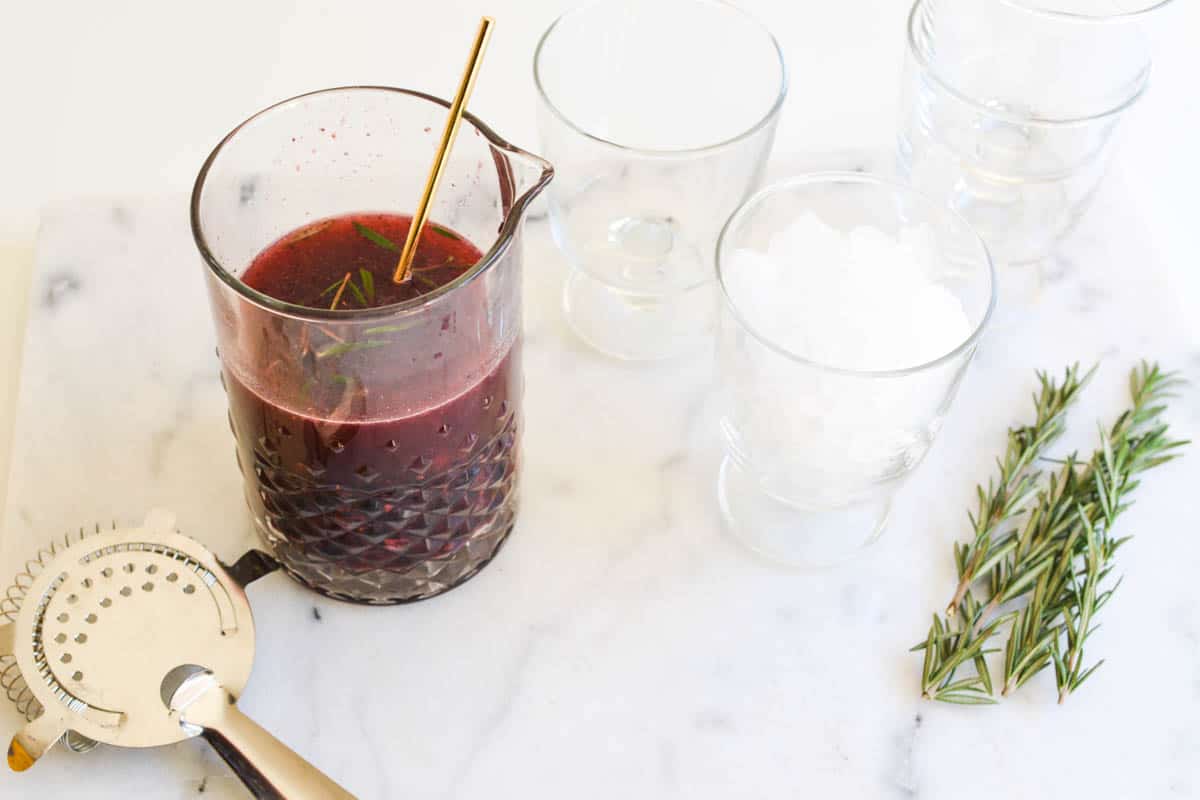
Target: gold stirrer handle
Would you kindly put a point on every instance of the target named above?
(404, 266)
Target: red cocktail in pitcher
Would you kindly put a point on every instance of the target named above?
(378, 435)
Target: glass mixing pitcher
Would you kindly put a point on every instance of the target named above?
(379, 445)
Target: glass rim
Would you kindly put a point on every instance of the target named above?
(864, 178)
(503, 241)
(1077, 16)
(658, 152)
(1045, 122)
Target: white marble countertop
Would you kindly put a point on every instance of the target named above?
(621, 644)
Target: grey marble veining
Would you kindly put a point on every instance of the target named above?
(621, 645)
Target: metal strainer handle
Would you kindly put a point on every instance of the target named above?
(269, 769)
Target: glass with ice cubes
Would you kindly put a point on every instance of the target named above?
(852, 307)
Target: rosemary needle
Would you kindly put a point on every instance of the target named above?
(337, 298)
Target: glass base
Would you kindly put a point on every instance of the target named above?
(792, 535)
(385, 545)
(388, 588)
(638, 327)
(1022, 219)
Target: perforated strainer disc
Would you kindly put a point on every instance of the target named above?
(108, 617)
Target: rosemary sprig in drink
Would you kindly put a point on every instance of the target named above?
(374, 236)
(1058, 560)
(365, 296)
(341, 289)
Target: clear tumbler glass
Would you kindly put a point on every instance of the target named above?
(659, 118)
(1009, 109)
(379, 446)
(815, 451)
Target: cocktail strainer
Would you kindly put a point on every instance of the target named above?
(140, 637)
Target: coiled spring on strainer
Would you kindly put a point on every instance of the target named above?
(11, 681)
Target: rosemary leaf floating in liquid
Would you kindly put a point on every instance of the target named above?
(424, 280)
(438, 229)
(376, 237)
(1052, 556)
(333, 287)
(368, 282)
(337, 298)
(311, 230)
(358, 294)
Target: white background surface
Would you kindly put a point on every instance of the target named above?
(654, 672)
(128, 96)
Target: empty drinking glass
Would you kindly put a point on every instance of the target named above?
(658, 118)
(852, 307)
(1010, 106)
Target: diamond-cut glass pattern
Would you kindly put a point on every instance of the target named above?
(408, 540)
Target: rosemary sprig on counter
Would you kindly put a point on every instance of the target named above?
(1058, 553)
(958, 642)
(1003, 500)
